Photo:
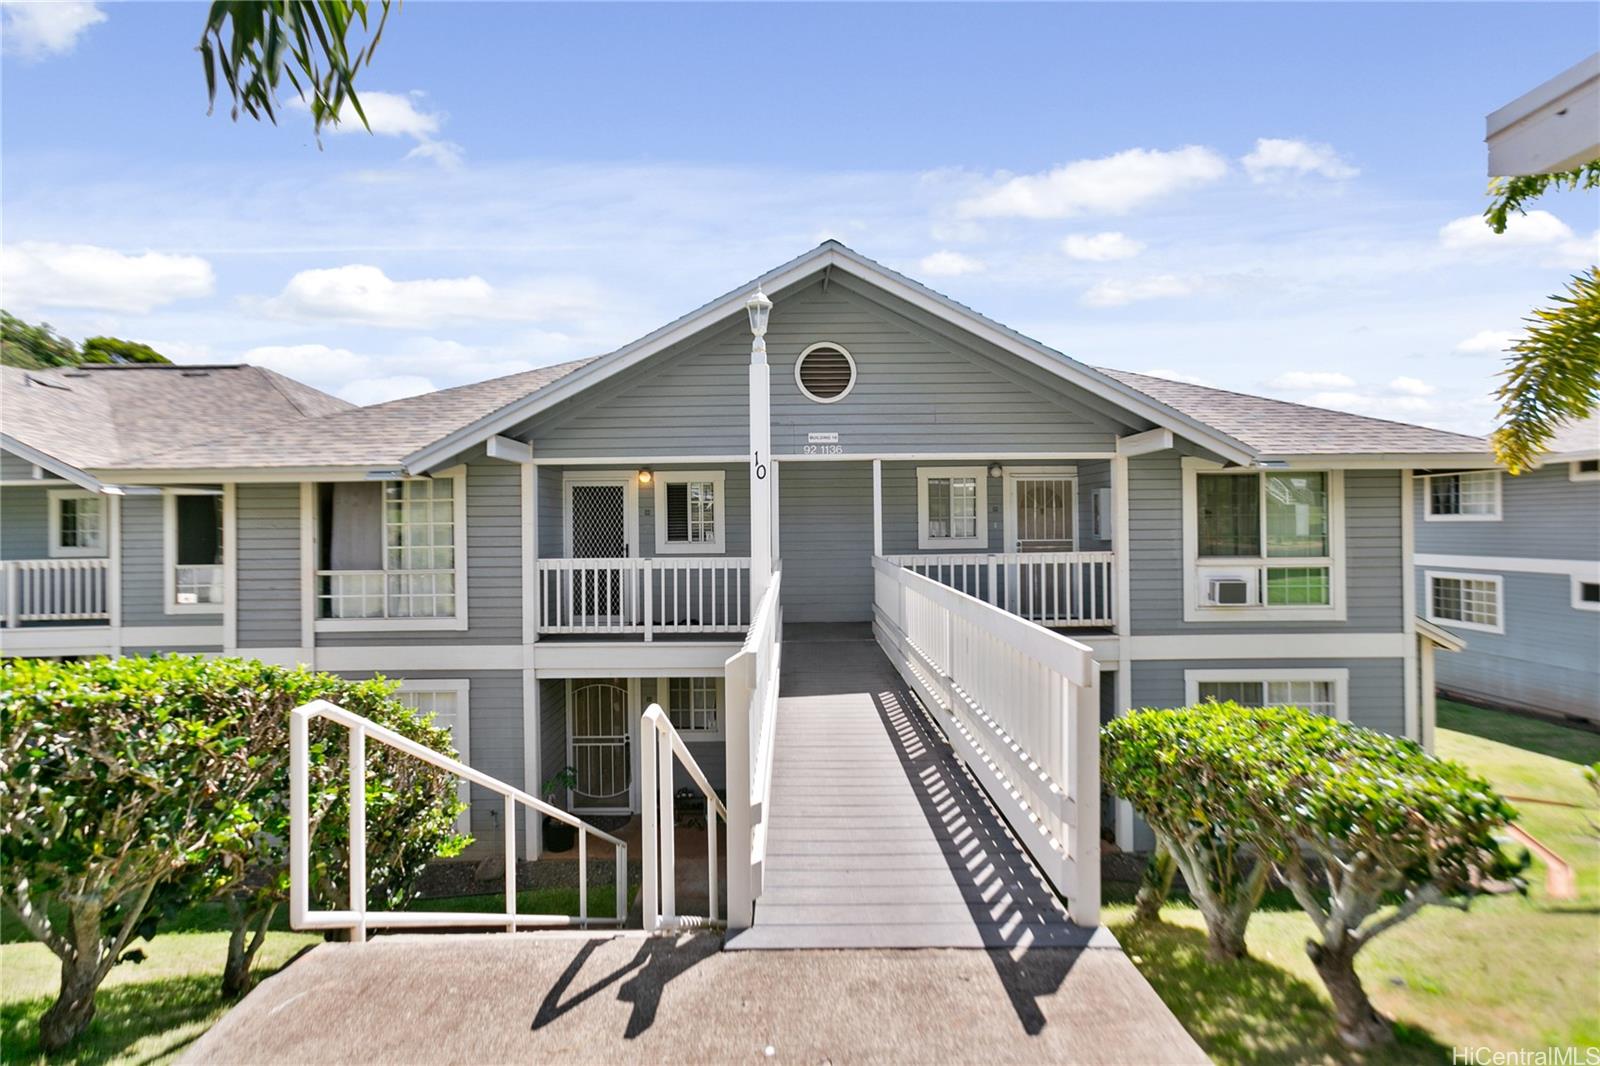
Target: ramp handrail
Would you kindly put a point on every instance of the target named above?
(659, 744)
(358, 918)
(1021, 705)
(752, 699)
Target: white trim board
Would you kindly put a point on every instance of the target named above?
(1267, 646)
(1583, 568)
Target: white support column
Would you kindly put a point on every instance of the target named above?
(760, 450)
(1122, 599)
(877, 507)
(1415, 727)
(1084, 906)
(1429, 694)
(114, 572)
(230, 568)
(530, 554)
(532, 747)
(738, 689)
(309, 551)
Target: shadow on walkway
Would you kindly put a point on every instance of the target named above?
(657, 962)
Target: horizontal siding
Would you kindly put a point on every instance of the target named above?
(1374, 565)
(1544, 515)
(267, 524)
(15, 468)
(143, 590)
(24, 523)
(1548, 659)
(826, 541)
(1376, 697)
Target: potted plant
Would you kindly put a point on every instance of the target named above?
(559, 835)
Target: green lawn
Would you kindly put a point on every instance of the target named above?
(1510, 973)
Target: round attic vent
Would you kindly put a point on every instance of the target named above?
(825, 372)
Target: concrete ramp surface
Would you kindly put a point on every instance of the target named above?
(624, 998)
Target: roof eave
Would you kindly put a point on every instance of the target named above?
(1383, 460)
(45, 461)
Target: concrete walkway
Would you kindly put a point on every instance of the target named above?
(543, 997)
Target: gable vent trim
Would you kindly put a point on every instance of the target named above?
(825, 372)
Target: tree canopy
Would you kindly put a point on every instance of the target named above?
(37, 347)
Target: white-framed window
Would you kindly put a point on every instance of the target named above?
(1322, 691)
(1584, 470)
(825, 372)
(1263, 544)
(1466, 601)
(1585, 594)
(1470, 496)
(691, 512)
(1101, 517)
(952, 507)
(192, 551)
(392, 554)
(77, 524)
(449, 700)
(693, 704)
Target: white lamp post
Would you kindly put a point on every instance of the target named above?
(761, 503)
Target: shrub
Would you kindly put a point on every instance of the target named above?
(1166, 764)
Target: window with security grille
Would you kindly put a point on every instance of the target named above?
(1317, 696)
(694, 704)
(1475, 494)
(691, 512)
(1465, 600)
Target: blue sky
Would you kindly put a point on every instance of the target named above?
(1275, 199)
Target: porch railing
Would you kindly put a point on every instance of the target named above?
(56, 590)
(751, 686)
(1056, 589)
(691, 594)
(359, 917)
(1021, 705)
(660, 747)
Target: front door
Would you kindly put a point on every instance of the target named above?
(1040, 519)
(600, 520)
(600, 743)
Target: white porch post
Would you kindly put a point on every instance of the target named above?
(759, 307)
(877, 507)
(1122, 604)
(1429, 694)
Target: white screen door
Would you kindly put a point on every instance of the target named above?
(1043, 514)
(599, 744)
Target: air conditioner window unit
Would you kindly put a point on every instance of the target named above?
(1229, 590)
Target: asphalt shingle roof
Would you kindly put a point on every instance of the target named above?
(1577, 437)
(1278, 427)
(379, 435)
(105, 416)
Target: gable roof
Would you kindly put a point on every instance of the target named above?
(1278, 427)
(1575, 440)
(95, 417)
(380, 435)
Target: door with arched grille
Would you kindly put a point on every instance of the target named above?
(599, 744)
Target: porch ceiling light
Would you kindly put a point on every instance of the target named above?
(995, 469)
(759, 308)
(645, 477)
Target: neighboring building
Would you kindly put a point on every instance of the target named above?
(1512, 565)
(540, 556)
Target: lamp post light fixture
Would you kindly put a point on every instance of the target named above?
(759, 307)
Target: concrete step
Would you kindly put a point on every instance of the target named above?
(964, 934)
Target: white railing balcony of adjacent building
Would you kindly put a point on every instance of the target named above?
(1054, 589)
(56, 590)
(1021, 705)
(690, 594)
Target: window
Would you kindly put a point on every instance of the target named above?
(690, 512)
(693, 704)
(1318, 690)
(1584, 470)
(825, 373)
(1473, 496)
(1100, 514)
(1469, 601)
(392, 551)
(1585, 594)
(77, 524)
(448, 701)
(951, 506)
(193, 551)
(1262, 541)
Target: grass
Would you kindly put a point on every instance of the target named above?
(1513, 972)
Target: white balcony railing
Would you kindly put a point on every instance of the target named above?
(56, 590)
(660, 749)
(692, 594)
(1055, 589)
(1020, 704)
(386, 593)
(752, 677)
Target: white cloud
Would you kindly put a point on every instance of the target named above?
(1116, 293)
(44, 273)
(36, 29)
(1488, 340)
(1275, 158)
(1412, 387)
(1533, 229)
(947, 264)
(1403, 407)
(315, 364)
(400, 115)
(1114, 184)
(1101, 247)
(1176, 375)
(382, 390)
(361, 293)
(1304, 380)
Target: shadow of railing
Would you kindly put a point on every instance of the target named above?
(657, 962)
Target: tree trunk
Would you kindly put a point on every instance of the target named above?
(1154, 885)
(243, 943)
(1359, 1023)
(81, 972)
(1225, 927)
